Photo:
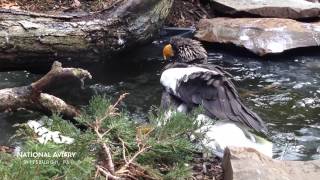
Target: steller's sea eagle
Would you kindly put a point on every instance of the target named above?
(189, 82)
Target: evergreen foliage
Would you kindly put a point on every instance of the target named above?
(160, 149)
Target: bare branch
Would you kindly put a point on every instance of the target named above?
(123, 150)
(57, 72)
(106, 150)
(31, 96)
(122, 96)
(123, 168)
(97, 127)
(107, 174)
(109, 170)
(112, 109)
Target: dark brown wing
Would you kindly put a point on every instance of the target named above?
(217, 94)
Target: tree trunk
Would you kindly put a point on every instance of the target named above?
(31, 96)
(27, 37)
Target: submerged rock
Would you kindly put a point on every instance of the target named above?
(294, 9)
(260, 35)
(247, 163)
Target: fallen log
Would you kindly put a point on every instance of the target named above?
(29, 37)
(32, 96)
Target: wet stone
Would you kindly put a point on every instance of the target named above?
(259, 166)
(260, 35)
(294, 9)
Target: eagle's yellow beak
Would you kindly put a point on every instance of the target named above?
(167, 52)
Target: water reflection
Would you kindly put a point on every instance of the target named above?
(285, 92)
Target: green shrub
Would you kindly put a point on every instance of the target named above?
(157, 151)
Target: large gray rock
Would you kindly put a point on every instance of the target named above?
(248, 164)
(269, 8)
(260, 35)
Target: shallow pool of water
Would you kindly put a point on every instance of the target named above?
(283, 90)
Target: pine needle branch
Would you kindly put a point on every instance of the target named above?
(111, 111)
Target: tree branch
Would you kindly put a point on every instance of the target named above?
(57, 72)
(31, 96)
(106, 173)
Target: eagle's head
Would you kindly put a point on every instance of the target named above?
(185, 50)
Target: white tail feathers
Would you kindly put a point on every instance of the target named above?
(229, 134)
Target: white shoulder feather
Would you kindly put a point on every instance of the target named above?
(171, 77)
